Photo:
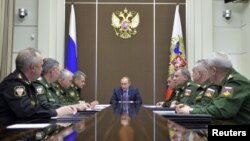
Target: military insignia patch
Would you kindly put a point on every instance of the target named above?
(229, 77)
(19, 91)
(40, 90)
(227, 91)
(57, 93)
(72, 94)
(177, 93)
(187, 92)
(125, 23)
(201, 93)
(198, 97)
(209, 92)
(32, 102)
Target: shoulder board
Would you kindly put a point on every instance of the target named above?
(229, 77)
(19, 76)
(40, 90)
(40, 78)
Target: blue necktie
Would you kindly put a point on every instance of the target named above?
(125, 95)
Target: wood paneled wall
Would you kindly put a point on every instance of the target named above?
(105, 57)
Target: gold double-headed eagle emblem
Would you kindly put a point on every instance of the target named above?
(125, 23)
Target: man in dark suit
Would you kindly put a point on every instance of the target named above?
(126, 93)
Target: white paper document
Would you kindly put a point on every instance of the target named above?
(28, 126)
(152, 106)
(164, 112)
(98, 107)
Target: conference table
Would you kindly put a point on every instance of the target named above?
(117, 122)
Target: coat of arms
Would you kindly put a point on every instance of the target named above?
(125, 23)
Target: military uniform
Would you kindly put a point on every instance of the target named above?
(209, 91)
(44, 95)
(187, 93)
(72, 94)
(18, 100)
(167, 103)
(61, 93)
(233, 102)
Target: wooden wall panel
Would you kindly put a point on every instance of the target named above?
(86, 41)
(106, 58)
(132, 57)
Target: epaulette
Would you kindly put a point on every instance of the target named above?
(26, 81)
(183, 88)
(19, 76)
(39, 78)
(229, 77)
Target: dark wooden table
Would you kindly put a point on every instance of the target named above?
(115, 123)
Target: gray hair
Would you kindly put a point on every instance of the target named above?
(185, 72)
(77, 75)
(202, 66)
(64, 73)
(220, 61)
(49, 63)
(27, 57)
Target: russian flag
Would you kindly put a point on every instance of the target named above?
(177, 56)
(71, 60)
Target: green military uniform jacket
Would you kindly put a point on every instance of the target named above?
(44, 95)
(61, 93)
(72, 94)
(187, 93)
(233, 102)
(209, 91)
(167, 103)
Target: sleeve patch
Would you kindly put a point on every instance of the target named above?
(19, 91)
(187, 92)
(40, 90)
(227, 91)
(72, 94)
(209, 92)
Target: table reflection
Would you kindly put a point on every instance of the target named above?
(119, 122)
(126, 111)
(130, 109)
(179, 133)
